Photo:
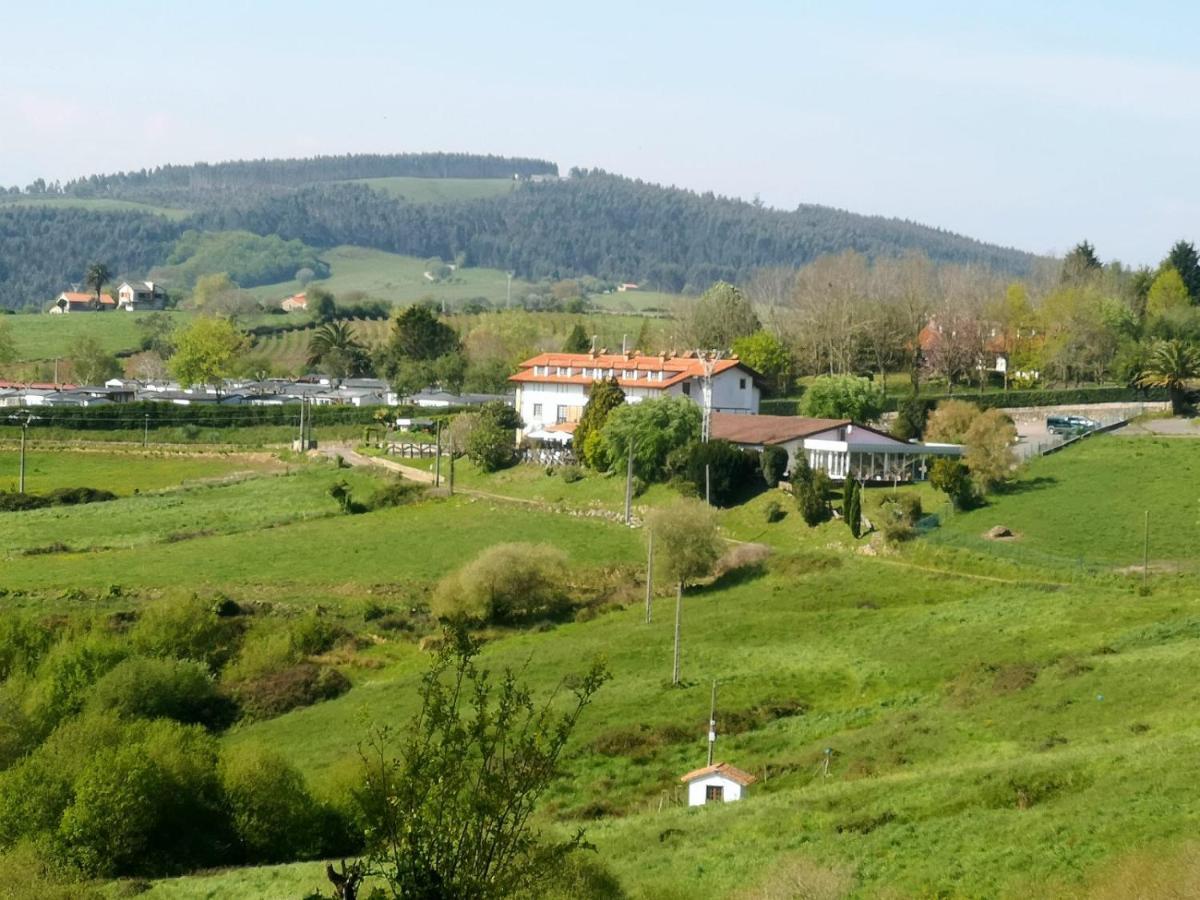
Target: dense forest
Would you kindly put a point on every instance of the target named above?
(592, 223)
(201, 183)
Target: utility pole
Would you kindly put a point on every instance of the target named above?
(25, 420)
(300, 441)
(649, 574)
(712, 722)
(437, 460)
(1146, 552)
(629, 485)
(145, 430)
(451, 482)
(707, 485)
(678, 614)
(709, 360)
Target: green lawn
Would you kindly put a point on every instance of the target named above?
(438, 190)
(122, 472)
(98, 205)
(46, 337)
(396, 278)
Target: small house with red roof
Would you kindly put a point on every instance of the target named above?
(77, 301)
(552, 388)
(718, 783)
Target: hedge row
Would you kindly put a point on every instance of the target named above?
(166, 415)
(790, 406)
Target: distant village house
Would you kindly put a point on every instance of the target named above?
(77, 301)
(137, 295)
(295, 303)
(718, 783)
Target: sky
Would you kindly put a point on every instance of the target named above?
(1028, 124)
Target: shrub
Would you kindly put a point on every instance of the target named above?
(812, 497)
(505, 582)
(396, 493)
(187, 628)
(570, 474)
(491, 443)
(65, 677)
(274, 816)
(730, 470)
(23, 644)
(11, 501)
(952, 478)
(773, 463)
(852, 506)
(774, 512)
(265, 648)
(989, 455)
(182, 690)
(277, 692)
(313, 633)
(899, 514)
(911, 415)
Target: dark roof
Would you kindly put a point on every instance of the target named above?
(751, 429)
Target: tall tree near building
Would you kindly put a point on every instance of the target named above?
(1081, 263)
(1172, 365)
(767, 355)
(603, 397)
(96, 277)
(989, 455)
(205, 352)
(716, 319)
(577, 340)
(1184, 260)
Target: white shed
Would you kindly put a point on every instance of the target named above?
(718, 783)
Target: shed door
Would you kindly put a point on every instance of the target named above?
(714, 793)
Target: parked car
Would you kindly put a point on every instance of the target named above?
(1070, 424)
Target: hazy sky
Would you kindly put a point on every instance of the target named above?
(1032, 124)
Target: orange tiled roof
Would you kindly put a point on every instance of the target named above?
(674, 368)
(733, 773)
(80, 297)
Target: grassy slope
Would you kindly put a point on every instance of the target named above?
(97, 204)
(399, 279)
(120, 472)
(46, 337)
(990, 737)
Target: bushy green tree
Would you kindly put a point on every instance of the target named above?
(182, 690)
(1184, 260)
(603, 397)
(811, 490)
(506, 582)
(852, 506)
(491, 444)
(717, 318)
(205, 352)
(1168, 294)
(274, 817)
(989, 449)
(730, 470)
(577, 340)
(773, 463)
(90, 362)
(953, 479)
(185, 628)
(950, 421)
(842, 397)
(655, 427)
(766, 354)
(334, 348)
(911, 417)
(449, 815)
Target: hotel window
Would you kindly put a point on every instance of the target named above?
(561, 415)
(537, 410)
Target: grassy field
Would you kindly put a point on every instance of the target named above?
(122, 472)
(46, 337)
(438, 190)
(398, 279)
(97, 205)
(1000, 721)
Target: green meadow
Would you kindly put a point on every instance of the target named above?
(956, 717)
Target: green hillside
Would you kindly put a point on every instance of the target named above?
(94, 204)
(1002, 719)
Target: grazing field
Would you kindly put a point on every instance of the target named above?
(47, 468)
(955, 717)
(97, 205)
(46, 337)
(397, 279)
(438, 190)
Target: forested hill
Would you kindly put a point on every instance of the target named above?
(605, 225)
(201, 183)
(592, 223)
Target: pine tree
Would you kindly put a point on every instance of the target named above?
(577, 341)
(852, 506)
(1184, 260)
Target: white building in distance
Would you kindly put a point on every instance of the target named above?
(552, 389)
(718, 783)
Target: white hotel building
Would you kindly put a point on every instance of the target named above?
(552, 389)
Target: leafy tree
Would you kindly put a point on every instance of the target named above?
(96, 277)
(449, 816)
(730, 470)
(989, 448)
(321, 303)
(417, 333)
(1184, 260)
(716, 319)
(842, 397)
(767, 355)
(686, 545)
(655, 427)
(156, 332)
(274, 817)
(950, 421)
(211, 289)
(491, 444)
(603, 397)
(1172, 365)
(1080, 263)
(952, 478)
(335, 348)
(911, 418)
(205, 352)
(90, 362)
(577, 340)
(1168, 293)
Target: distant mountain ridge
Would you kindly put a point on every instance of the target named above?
(590, 223)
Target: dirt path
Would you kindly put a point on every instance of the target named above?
(354, 458)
